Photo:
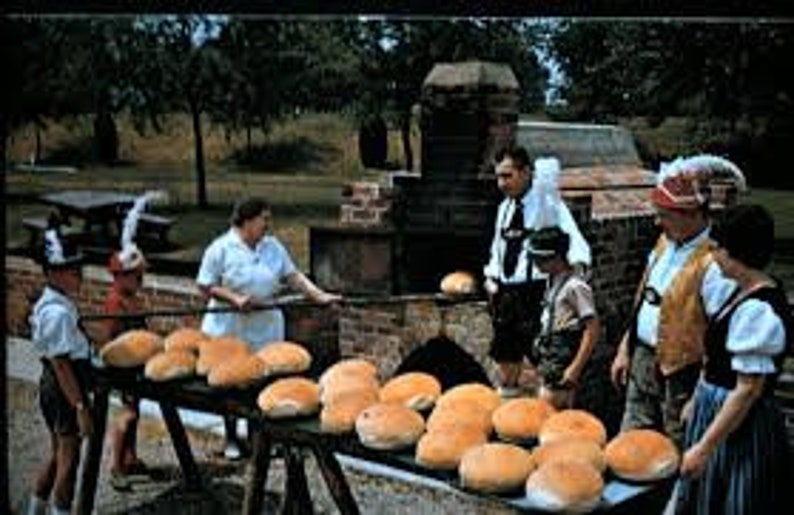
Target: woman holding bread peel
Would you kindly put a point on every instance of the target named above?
(736, 458)
(65, 354)
(243, 267)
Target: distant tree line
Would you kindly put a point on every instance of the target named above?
(727, 79)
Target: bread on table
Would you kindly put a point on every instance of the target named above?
(284, 358)
(521, 419)
(565, 486)
(458, 283)
(495, 467)
(341, 385)
(484, 396)
(339, 416)
(185, 338)
(290, 397)
(131, 348)
(389, 427)
(170, 365)
(572, 423)
(415, 390)
(642, 455)
(217, 350)
(236, 372)
(460, 412)
(571, 450)
(348, 367)
(443, 449)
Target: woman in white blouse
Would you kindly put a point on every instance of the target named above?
(736, 454)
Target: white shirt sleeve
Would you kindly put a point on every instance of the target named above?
(755, 336)
(579, 251)
(493, 268)
(285, 264)
(715, 289)
(211, 268)
(56, 332)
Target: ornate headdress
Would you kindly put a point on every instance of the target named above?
(130, 258)
(56, 252)
(685, 182)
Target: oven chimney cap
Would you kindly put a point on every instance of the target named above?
(471, 75)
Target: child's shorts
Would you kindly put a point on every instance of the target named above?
(59, 414)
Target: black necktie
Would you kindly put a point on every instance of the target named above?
(514, 234)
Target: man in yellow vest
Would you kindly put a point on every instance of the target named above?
(659, 357)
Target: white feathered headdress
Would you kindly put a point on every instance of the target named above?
(545, 192)
(54, 252)
(130, 256)
(685, 182)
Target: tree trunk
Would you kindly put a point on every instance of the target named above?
(248, 149)
(201, 175)
(106, 138)
(405, 131)
(4, 133)
(37, 150)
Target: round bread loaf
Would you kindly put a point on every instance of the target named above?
(521, 419)
(284, 358)
(415, 390)
(642, 455)
(389, 426)
(237, 371)
(348, 367)
(442, 450)
(185, 338)
(169, 365)
(571, 450)
(565, 486)
(495, 467)
(483, 396)
(572, 423)
(458, 283)
(290, 397)
(341, 385)
(131, 348)
(217, 350)
(460, 412)
(339, 416)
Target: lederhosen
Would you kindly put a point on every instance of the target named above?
(59, 414)
(555, 350)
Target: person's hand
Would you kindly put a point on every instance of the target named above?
(243, 302)
(491, 287)
(619, 372)
(85, 422)
(686, 411)
(328, 298)
(694, 461)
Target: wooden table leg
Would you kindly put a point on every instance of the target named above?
(257, 471)
(297, 499)
(181, 446)
(90, 473)
(336, 481)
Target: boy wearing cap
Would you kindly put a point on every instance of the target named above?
(65, 352)
(569, 324)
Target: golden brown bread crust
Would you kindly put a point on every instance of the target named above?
(521, 419)
(217, 350)
(443, 449)
(495, 467)
(290, 397)
(185, 338)
(236, 371)
(572, 423)
(569, 486)
(460, 412)
(642, 455)
(340, 385)
(415, 390)
(169, 365)
(389, 426)
(284, 358)
(485, 397)
(131, 348)
(340, 415)
(458, 283)
(571, 450)
(348, 367)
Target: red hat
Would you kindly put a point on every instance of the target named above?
(132, 261)
(684, 184)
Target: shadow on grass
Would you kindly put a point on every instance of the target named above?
(79, 152)
(284, 156)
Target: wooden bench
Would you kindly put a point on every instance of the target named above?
(155, 227)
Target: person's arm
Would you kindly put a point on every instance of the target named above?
(730, 416)
(299, 281)
(589, 337)
(64, 373)
(226, 294)
(492, 269)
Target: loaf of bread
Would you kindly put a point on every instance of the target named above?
(185, 338)
(339, 416)
(520, 419)
(290, 397)
(415, 390)
(483, 396)
(236, 372)
(565, 486)
(642, 455)
(169, 365)
(348, 367)
(459, 283)
(572, 423)
(571, 449)
(284, 358)
(341, 385)
(389, 426)
(217, 350)
(131, 348)
(495, 467)
(443, 449)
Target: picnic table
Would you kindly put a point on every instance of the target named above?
(296, 438)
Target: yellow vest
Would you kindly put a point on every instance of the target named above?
(682, 317)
